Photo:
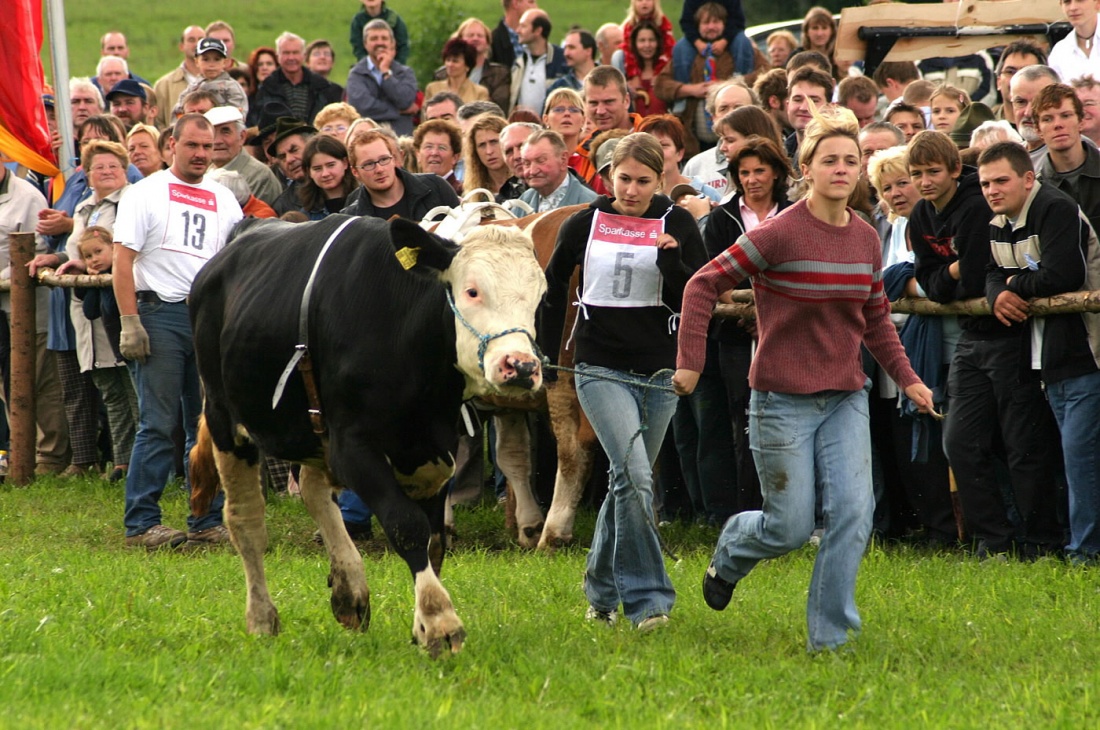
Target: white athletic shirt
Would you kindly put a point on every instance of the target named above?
(175, 228)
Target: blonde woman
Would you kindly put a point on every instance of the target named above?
(816, 273)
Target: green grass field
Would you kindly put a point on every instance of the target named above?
(93, 635)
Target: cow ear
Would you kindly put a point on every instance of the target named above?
(415, 246)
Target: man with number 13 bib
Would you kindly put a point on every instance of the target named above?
(168, 226)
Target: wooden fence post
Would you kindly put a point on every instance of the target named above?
(21, 397)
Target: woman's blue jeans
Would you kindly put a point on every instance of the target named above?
(625, 565)
(803, 444)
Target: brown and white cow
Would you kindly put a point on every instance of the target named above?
(391, 361)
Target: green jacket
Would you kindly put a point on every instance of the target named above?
(400, 33)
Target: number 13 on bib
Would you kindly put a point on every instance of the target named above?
(620, 263)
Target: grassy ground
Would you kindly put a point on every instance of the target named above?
(94, 635)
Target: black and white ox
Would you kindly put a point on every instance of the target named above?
(389, 361)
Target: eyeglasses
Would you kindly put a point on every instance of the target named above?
(435, 148)
(334, 128)
(564, 109)
(383, 161)
(106, 167)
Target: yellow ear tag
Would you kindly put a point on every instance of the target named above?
(407, 257)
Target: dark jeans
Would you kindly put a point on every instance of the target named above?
(990, 392)
(704, 442)
(734, 361)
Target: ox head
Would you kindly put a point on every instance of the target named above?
(496, 285)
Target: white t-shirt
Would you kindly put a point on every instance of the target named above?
(175, 228)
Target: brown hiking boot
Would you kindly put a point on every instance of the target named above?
(216, 535)
(157, 537)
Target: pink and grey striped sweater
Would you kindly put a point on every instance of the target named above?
(818, 294)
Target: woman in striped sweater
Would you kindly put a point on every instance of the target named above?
(816, 273)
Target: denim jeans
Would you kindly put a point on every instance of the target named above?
(803, 444)
(625, 565)
(353, 510)
(683, 55)
(1076, 406)
(167, 380)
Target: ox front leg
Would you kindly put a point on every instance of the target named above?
(350, 598)
(513, 454)
(576, 446)
(244, 516)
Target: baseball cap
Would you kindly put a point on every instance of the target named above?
(210, 44)
(223, 115)
(128, 87)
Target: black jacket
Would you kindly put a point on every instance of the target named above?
(422, 192)
(1045, 254)
(274, 88)
(959, 232)
(724, 227)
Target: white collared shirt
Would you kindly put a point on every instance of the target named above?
(1071, 62)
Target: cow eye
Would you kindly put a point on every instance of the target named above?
(472, 293)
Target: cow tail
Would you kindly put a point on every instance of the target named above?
(203, 471)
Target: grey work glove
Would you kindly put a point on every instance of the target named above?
(133, 343)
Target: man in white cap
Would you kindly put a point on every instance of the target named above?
(229, 153)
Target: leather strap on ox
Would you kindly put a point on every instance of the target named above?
(300, 358)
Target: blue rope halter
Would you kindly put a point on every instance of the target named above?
(484, 340)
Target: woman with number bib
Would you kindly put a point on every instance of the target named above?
(636, 252)
(816, 271)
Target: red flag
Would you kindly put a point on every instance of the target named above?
(25, 136)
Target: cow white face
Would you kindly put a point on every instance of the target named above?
(497, 286)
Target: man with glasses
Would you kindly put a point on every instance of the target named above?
(1016, 55)
(1087, 89)
(1024, 87)
(387, 190)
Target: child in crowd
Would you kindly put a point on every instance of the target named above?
(947, 104)
(646, 10)
(378, 9)
(110, 376)
(210, 54)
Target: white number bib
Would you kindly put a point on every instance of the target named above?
(192, 226)
(620, 264)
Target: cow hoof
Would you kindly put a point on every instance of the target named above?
(550, 543)
(265, 622)
(529, 536)
(353, 614)
(439, 631)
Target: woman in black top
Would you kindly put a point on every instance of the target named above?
(636, 252)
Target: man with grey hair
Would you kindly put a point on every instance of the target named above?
(229, 154)
(302, 91)
(85, 100)
(709, 166)
(1024, 87)
(609, 37)
(378, 86)
(171, 84)
(551, 182)
(109, 71)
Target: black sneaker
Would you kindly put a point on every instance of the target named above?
(716, 591)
